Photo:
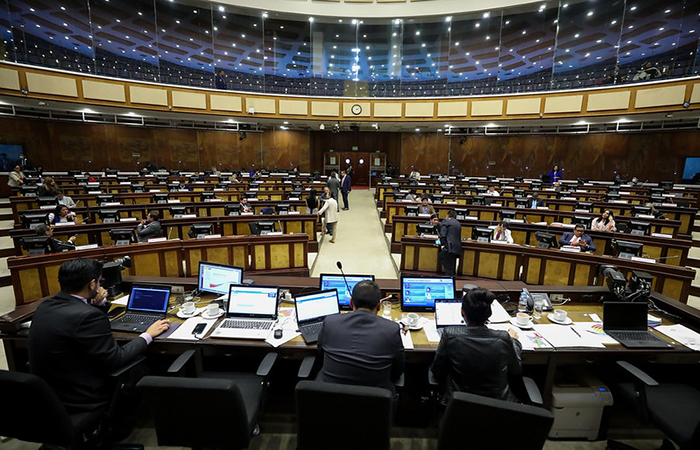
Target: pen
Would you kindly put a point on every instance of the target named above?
(574, 330)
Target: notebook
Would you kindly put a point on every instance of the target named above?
(251, 314)
(627, 323)
(311, 309)
(332, 281)
(147, 304)
(448, 312)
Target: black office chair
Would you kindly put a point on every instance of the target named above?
(673, 407)
(324, 411)
(37, 415)
(528, 426)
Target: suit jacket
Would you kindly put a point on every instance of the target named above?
(334, 185)
(71, 347)
(150, 230)
(477, 360)
(451, 236)
(569, 235)
(430, 210)
(60, 246)
(346, 183)
(540, 202)
(360, 348)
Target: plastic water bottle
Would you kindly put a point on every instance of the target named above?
(522, 303)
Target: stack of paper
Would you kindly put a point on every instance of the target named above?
(561, 336)
(682, 334)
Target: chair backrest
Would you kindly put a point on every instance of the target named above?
(473, 421)
(33, 411)
(327, 414)
(217, 402)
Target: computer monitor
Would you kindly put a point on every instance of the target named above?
(424, 228)
(437, 198)
(216, 278)
(108, 215)
(80, 179)
(332, 281)
(282, 208)
(583, 220)
(481, 234)
(122, 236)
(297, 186)
(563, 194)
(177, 211)
(36, 245)
(419, 293)
(584, 206)
(478, 200)
(473, 182)
(250, 194)
(104, 198)
(122, 179)
(399, 196)
(207, 196)
(253, 185)
(233, 209)
(410, 210)
(462, 213)
(639, 228)
(657, 191)
(162, 179)
(111, 172)
(518, 179)
(519, 193)
(173, 187)
(47, 201)
(507, 214)
(294, 195)
(521, 202)
(434, 176)
(612, 197)
(490, 177)
(657, 199)
(546, 240)
(138, 188)
(668, 185)
(199, 230)
(261, 228)
(641, 210)
(28, 191)
(536, 185)
(627, 249)
(481, 190)
(161, 197)
(613, 190)
(581, 180)
(502, 183)
(33, 220)
(74, 172)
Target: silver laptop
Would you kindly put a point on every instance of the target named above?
(312, 309)
(448, 312)
(252, 312)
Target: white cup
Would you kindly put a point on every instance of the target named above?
(559, 315)
(212, 310)
(522, 319)
(187, 308)
(412, 319)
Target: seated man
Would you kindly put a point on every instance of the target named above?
(424, 207)
(578, 239)
(361, 348)
(55, 244)
(492, 192)
(434, 221)
(71, 344)
(502, 233)
(535, 201)
(149, 228)
(474, 358)
(65, 200)
(245, 207)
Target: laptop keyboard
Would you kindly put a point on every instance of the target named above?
(313, 327)
(136, 318)
(247, 324)
(636, 336)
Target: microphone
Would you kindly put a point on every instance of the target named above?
(340, 266)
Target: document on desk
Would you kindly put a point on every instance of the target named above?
(288, 323)
(184, 332)
(406, 339)
(562, 336)
(431, 333)
(498, 313)
(529, 339)
(594, 330)
(681, 334)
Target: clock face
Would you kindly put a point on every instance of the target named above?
(356, 109)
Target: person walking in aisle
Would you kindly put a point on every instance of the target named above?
(330, 209)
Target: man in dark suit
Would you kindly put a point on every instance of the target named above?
(149, 228)
(535, 201)
(578, 239)
(334, 185)
(345, 188)
(55, 244)
(24, 163)
(361, 348)
(71, 344)
(450, 243)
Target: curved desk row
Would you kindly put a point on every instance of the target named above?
(539, 266)
(37, 276)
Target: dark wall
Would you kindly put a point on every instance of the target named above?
(63, 146)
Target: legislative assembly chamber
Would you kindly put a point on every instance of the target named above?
(349, 224)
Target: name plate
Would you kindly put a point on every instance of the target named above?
(581, 210)
(125, 182)
(662, 235)
(493, 241)
(212, 236)
(47, 207)
(452, 202)
(63, 224)
(645, 216)
(111, 204)
(430, 236)
(252, 199)
(154, 190)
(669, 204)
(158, 239)
(219, 190)
(470, 218)
(618, 201)
(293, 212)
(247, 214)
(253, 189)
(189, 216)
(571, 248)
(173, 201)
(403, 191)
(517, 221)
(274, 233)
(86, 247)
(571, 198)
(568, 225)
(638, 259)
(542, 207)
(213, 200)
(128, 219)
(497, 204)
(92, 192)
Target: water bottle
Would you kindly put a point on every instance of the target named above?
(522, 303)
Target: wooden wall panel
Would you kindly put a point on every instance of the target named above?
(427, 152)
(286, 149)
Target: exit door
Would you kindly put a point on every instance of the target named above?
(360, 166)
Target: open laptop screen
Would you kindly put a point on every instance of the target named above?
(319, 304)
(216, 278)
(625, 316)
(149, 298)
(252, 301)
(448, 312)
(329, 281)
(419, 293)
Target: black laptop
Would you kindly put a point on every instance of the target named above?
(147, 304)
(627, 324)
(312, 309)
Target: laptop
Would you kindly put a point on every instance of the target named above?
(147, 304)
(216, 278)
(251, 314)
(448, 313)
(418, 294)
(312, 309)
(332, 281)
(627, 323)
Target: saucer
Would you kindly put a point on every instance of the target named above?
(207, 316)
(524, 327)
(182, 315)
(568, 320)
(416, 328)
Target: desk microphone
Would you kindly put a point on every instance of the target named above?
(340, 266)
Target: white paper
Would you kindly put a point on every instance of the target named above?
(407, 340)
(529, 339)
(498, 313)
(562, 336)
(682, 334)
(184, 331)
(431, 333)
(594, 331)
(121, 301)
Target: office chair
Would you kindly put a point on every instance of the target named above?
(528, 426)
(324, 411)
(673, 407)
(37, 415)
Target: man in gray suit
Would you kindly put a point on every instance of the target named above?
(149, 228)
(334, 186)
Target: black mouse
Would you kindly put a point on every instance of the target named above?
(278, 333)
